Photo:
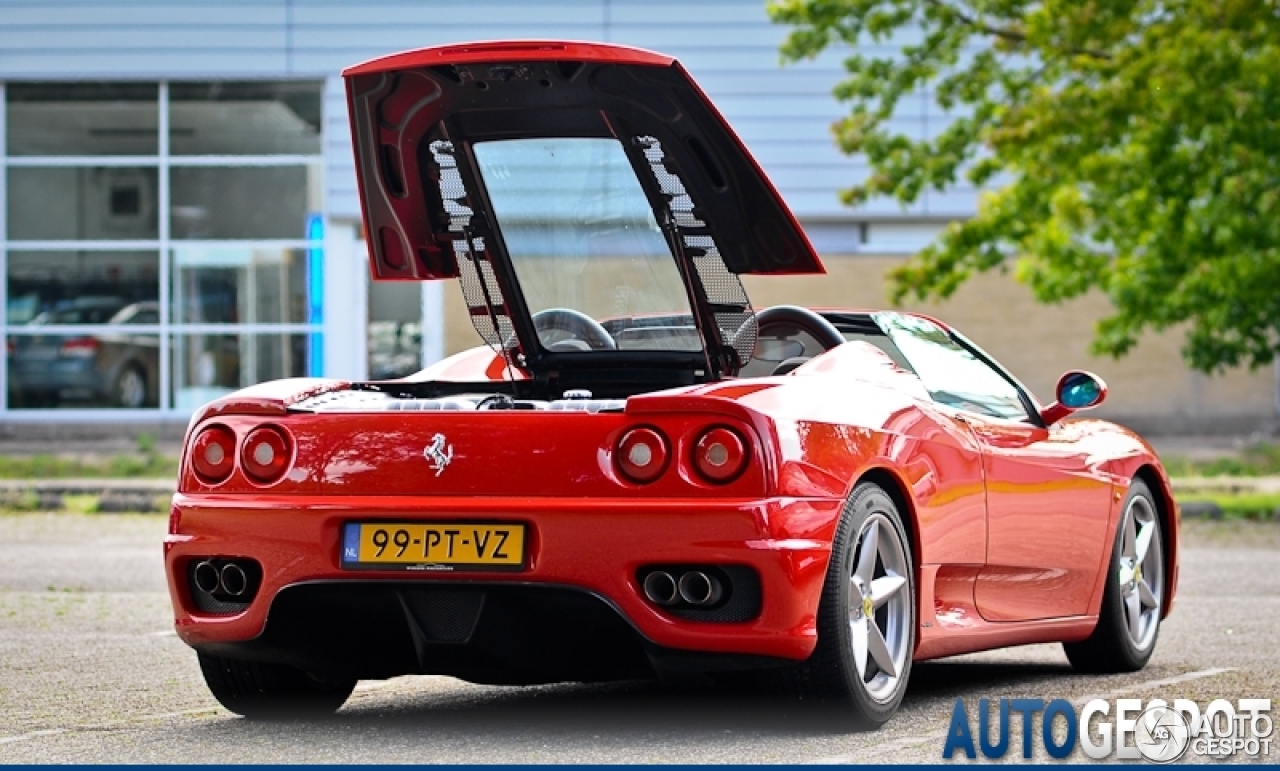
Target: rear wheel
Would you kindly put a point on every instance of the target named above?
(258, 689)
(1129, 619)
(867, 615)
(130, 389)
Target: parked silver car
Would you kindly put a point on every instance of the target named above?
(120, 369)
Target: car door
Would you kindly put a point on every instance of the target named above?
(1047, 503)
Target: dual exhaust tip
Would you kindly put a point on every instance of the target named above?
(693, 587)
(228, 579)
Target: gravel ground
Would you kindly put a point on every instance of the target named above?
(90, 672)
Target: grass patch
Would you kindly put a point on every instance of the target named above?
(1253, 461)
(24, 501)
(145, 463)
(58, 467)
(1255, 506)
(80, 504)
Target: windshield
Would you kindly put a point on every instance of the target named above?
(584, 243)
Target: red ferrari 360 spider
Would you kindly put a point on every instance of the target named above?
(638, 474)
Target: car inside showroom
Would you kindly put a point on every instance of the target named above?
(142, 211)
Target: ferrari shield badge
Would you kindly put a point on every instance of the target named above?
(439, 453)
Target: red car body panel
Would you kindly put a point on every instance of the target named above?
(812, 444)
(510, 50)
(1010, 523)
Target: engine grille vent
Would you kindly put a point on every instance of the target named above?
(724, 290)
(444, 615)
(480, 286)
(377, 401)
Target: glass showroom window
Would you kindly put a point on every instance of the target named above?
(161, 241)
(395, 345)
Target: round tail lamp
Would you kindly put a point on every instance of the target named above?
(642, 455)
(213, 454)
(720, 455)
(265, 454)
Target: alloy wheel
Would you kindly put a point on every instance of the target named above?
(1141, 573)
(879, 608)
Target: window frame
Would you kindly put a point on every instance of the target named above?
(169, 329)
(1030, 405)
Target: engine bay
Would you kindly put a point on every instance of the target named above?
(367, 400)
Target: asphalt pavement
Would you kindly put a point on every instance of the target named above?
(91, 672)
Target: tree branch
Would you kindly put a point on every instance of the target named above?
(1005, 33)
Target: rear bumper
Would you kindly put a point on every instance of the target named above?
(493, 633)
(586, 550)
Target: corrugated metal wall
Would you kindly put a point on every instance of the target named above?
(783, 114)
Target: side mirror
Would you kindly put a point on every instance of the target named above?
(1077, 390)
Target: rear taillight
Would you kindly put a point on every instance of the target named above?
(80, 347)
(265, 454)
(213, 454)
(720, 455)
(642, 455)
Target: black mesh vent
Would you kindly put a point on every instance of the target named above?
(480, 287)
(210, 604)
(445, 615)
(743, 604)
(724, 291)
(743, 593)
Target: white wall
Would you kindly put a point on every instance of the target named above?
(783, 114)
(346, 276)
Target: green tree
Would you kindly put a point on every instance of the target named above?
(1133, 146)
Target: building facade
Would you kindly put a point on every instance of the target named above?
(179, 217)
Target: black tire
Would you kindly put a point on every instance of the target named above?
(830, 675)
(261, 690)
(1111, 648)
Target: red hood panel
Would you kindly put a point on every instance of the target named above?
(463, 93)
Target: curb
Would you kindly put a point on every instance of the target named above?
(1192, 492)
(1261, 485)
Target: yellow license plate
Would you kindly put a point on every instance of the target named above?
(435, 546)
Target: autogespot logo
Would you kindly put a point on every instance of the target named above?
(1162, 734)
(1131, 730)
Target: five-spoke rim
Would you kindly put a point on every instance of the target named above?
(879, 607)
(1141, 572)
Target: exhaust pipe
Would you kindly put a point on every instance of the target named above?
(206, 577)
(660, 588)
(234, 581)
(698, 588)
